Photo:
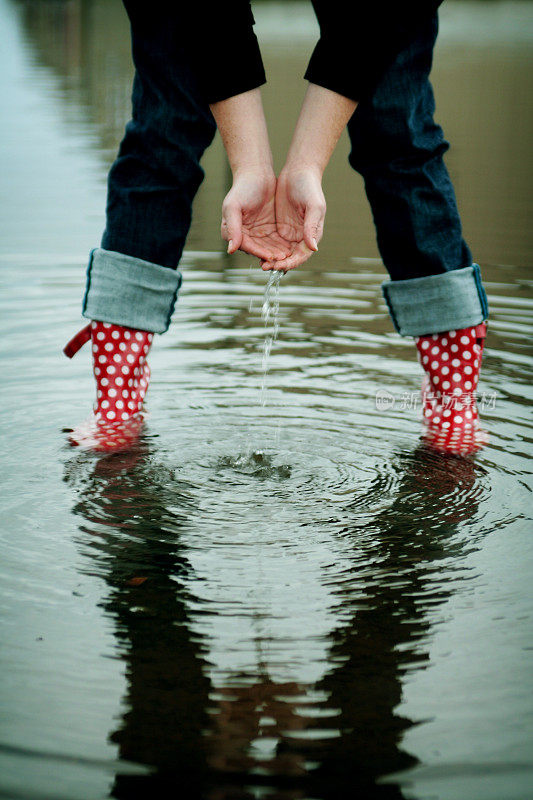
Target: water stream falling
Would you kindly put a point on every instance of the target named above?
(270, 311)
(254, 460)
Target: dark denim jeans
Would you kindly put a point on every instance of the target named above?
(396, 146)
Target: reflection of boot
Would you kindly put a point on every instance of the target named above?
(452, 361)
(122, 375)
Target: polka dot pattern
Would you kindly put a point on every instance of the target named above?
(122, 377)
(449, 388)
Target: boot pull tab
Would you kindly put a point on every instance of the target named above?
(77, 341)
(481, 330)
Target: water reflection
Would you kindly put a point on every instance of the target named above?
(87, 45)
(133, 540)
(292, 738)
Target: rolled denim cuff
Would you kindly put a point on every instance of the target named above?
(449, 301)
(129, 291)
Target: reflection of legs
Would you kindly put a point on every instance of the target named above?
(132, 281)
(434, 288)
(384, 633)
(140, 558)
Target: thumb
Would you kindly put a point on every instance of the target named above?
(231, 227)
(314, 225)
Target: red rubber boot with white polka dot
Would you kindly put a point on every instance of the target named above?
(452, 361)
(122, 375)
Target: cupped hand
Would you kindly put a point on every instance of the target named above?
(300, 213)
(249, 219)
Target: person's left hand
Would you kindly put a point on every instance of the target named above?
(249, 219)
(300, 213)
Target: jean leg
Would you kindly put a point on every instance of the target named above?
(132, 279)
(157, 172)
(398, 149)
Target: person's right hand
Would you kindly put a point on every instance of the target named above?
(300, 213)
(248, 216)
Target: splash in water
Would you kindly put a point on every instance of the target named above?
(270, 311)
(256, 464)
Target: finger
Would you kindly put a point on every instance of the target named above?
(314, 225)
(300, 255)
(272, 263)
(231, 228)
(272, 266)
(269, 249)
(257, 249)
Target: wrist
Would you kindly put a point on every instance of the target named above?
(263, 171)
(295, 167)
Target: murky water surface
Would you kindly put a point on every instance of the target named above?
(278, 594)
